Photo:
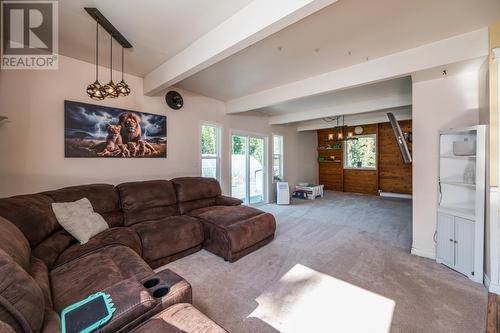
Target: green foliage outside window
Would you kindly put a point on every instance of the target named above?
(238, 145)
(208, 140)
(361, 152)
(256, 147)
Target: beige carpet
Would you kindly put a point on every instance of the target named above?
(338, 264)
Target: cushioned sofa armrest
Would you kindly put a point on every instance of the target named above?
(223, 200)
(134, 304)
(180, 290)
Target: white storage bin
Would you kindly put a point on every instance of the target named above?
(464, 148)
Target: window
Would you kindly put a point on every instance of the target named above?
(361, 152)
(210, 150)
(277, 157)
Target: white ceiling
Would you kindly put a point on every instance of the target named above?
(157, 29)
(341, 98)
(403, 113)
(322, 42)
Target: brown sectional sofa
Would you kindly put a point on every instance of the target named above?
(43, 269)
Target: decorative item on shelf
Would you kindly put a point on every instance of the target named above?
(112, 90)
(358, 130)
(464, 148)
(470, 175)
(123, 88)
(174, 100)
(336, 146)
(326, 159)
(95, 90)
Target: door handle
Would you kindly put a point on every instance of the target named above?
(451, 240)
(455, 242)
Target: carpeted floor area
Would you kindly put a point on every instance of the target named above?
(338, 264)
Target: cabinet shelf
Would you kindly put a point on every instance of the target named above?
(457, 183)
(468, 157)
(466, 213)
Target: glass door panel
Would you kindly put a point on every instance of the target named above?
(239, 168)
(256, 166)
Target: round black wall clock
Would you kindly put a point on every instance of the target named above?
(174, 100)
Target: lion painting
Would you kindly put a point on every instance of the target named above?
(101, 131)
(131, 127)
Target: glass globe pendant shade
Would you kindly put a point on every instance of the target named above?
(95, 91)
(123, 88)
(110, 90)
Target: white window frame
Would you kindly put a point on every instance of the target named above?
(281, 157)
(218, 148)
(376, 153)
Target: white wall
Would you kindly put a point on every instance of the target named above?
(32, 141)
(443, 103)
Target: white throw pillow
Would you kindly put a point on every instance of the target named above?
(79, 219)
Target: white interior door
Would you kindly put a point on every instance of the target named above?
(248, 171)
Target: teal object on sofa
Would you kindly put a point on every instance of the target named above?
(87, 315)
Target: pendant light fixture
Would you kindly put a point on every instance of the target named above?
(123, 88)
(110, 88)
(343, 133)
(95, 90)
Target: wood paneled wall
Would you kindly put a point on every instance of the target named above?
(392, 175)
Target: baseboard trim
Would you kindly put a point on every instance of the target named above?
(492, 288)
(395, 195)
(423, 253)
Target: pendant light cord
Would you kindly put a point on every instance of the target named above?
(111, 62)
(97, 51)
(123, 61)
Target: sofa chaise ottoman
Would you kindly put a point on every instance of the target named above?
(231, 230)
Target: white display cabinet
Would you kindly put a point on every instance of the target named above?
(461, 200)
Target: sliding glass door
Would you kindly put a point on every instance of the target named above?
(248, 172)
(239, 167)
